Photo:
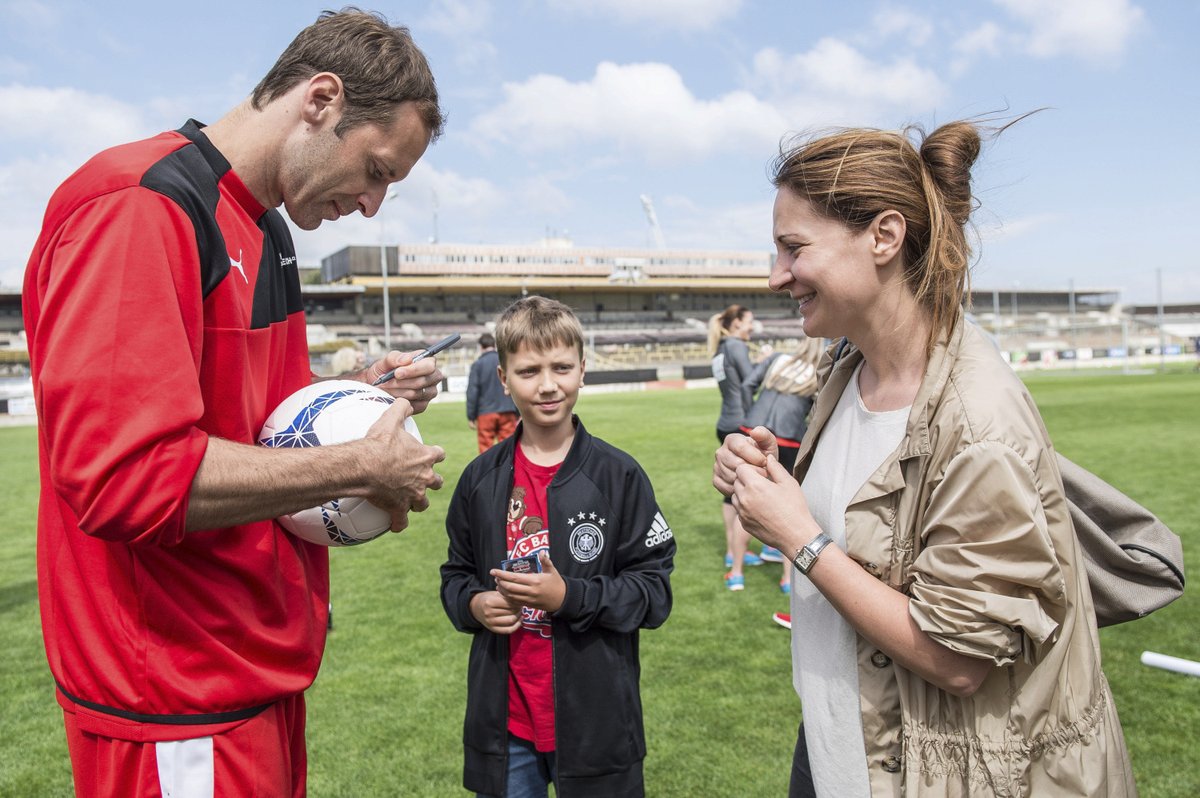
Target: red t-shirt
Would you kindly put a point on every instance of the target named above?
(531, 656)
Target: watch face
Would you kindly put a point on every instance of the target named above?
(804, 560)
(808, 555)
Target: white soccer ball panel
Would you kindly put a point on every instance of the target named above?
(348, 419)
(344, 522)
(410, 426)
(329, 412)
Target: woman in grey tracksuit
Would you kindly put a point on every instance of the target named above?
(728, 333)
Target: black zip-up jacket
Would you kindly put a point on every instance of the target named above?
(615, 552)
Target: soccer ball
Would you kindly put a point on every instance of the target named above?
(331, 411)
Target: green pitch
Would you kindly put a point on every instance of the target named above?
(385, 713)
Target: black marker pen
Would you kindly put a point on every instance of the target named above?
(445, 343)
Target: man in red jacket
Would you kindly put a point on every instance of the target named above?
(163, 311)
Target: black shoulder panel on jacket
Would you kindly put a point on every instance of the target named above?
(185, 177)
(190, 176)
(277, 290)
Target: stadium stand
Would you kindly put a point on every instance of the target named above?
(648, 308)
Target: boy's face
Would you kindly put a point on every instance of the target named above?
(544, 385)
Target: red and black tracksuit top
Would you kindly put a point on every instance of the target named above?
(162, 306)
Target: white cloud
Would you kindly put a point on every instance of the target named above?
(466, 23)
(997, 230)
(454, 191)
(32, 14)
(641, 108)
(1089, 29)
(983, 40)
(986, 40)
(674, 14)
(460, 200)
(648, 110)
(45, 134)
(450, 17)
(689, 225)
(69, 122)
(833, 83)
(25, 186)
(50, 132)
(897, 21)
(540, 194)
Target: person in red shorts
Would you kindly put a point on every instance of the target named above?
(490, 411)
(162, 304)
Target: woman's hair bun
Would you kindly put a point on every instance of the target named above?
(949, 153)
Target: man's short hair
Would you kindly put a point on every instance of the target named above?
(379, 65)
(539, 322)
(487, 340)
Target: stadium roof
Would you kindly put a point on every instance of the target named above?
(508, 283)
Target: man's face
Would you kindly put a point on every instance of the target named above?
(325, 177)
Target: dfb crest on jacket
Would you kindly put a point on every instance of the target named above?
(587, 539)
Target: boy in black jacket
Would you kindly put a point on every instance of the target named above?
(558, 556)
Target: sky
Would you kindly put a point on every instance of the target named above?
(562, 113)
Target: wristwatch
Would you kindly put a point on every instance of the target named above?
(807, 557)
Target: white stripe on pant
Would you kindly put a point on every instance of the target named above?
(185, 768)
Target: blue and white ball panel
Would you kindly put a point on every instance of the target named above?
(329, 412)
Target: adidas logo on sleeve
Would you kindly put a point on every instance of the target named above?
(659, 532)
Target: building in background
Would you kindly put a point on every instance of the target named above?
(648, 307)
(605, 286)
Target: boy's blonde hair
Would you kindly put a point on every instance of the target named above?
(539, 322)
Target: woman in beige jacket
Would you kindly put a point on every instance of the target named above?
(944, 640)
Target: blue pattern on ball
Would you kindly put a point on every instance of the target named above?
(300, 434)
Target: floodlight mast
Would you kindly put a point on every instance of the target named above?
(652, 218)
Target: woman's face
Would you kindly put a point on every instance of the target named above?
(740, 328)
(825, 266)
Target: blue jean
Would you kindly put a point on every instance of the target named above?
(530, 771)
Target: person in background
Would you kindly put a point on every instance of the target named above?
(944, 638)
(787, 383)
(728, 333)
(162, 302)
(490, 410)
(558, 556)
(347, 360)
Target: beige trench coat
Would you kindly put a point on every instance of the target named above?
(968, 518)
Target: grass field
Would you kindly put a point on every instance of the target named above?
(385, 713)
